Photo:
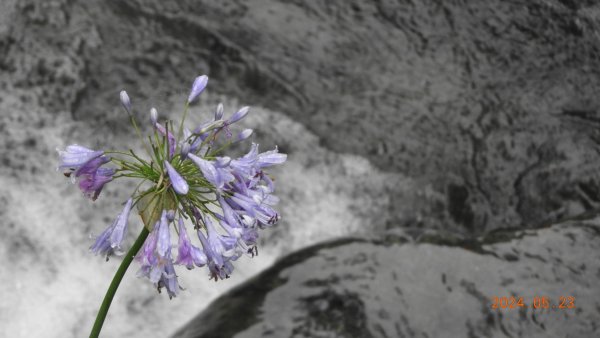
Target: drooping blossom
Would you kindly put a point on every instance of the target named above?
(155, 258)
(92, 184)
(110, 240)
(84, 166)
(75, 156)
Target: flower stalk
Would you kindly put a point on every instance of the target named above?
(114, 284)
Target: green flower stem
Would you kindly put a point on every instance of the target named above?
(139, 134)
(112, 289)
(185, 111)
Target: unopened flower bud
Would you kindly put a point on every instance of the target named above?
(179, 184)
(197, 88)
(243, 135)
(153, 115)
(240, 114)
(219, 112)
(171, 215)
(125, 101)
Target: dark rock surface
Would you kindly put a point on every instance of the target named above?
(429, 288)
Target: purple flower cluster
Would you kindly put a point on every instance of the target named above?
(244, 194)
(187, 180)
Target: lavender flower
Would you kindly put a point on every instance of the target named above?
(218, 251)
(163, 245)
(233, 221)
(256, 208)
(146, 256)
(85, 165)
(92, 184)
(270, 158)
(223, 247)
(217, 176)
(75, 156)
(246, 165)
(168, 280)
(226, 200)
(198, 256)
(91, 166)
(155, 258)
(110, 239)
(116, 237)
(187, 251)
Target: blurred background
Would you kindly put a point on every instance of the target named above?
(440, 154)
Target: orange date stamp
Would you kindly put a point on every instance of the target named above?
(537, 302)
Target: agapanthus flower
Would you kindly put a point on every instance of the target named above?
(75, 156)
(110, 240)
(155, 257)
(215, 172)
(92, 184)
(187, 184)
(85, 166)
(270, 158)
(241, 227)
(219, 250)
(185, 248)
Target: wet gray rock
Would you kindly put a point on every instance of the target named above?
(430, 288)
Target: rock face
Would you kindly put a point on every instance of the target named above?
(490, 106)
(429, 288)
